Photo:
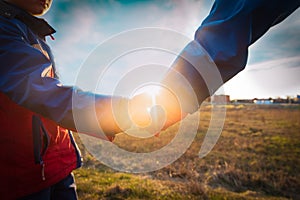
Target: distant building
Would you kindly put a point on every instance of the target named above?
(280, 100)
(219, 99)
(263, 101)
(242, 101)
(297, 99)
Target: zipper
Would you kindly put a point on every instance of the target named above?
(43, 171)
(40, 143)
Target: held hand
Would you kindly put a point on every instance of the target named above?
(155, 112)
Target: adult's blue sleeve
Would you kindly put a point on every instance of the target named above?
(221, 42)
(232, 26)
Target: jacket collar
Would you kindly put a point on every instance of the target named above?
(37, 25)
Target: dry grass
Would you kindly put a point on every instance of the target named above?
(256, 157)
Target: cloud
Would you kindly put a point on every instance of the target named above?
(82, 25)
(279, 42)
(275, 78)
(283, 63)
(74, 41)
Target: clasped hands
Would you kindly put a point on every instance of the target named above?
(154, 111)
(143, 115)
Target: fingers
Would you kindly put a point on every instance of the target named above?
(155, 112)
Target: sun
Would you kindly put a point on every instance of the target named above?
(152, 90)
(142, 105)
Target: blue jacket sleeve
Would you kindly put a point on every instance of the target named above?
(222, 42)
(232, 26)
(23, 81)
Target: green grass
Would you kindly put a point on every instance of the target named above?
(256, 157)
(97, 184)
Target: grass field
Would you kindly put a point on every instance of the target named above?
(256, 157)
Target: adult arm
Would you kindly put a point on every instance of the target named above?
(218, 52)
(222, 41)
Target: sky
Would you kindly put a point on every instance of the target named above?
(83, 27)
